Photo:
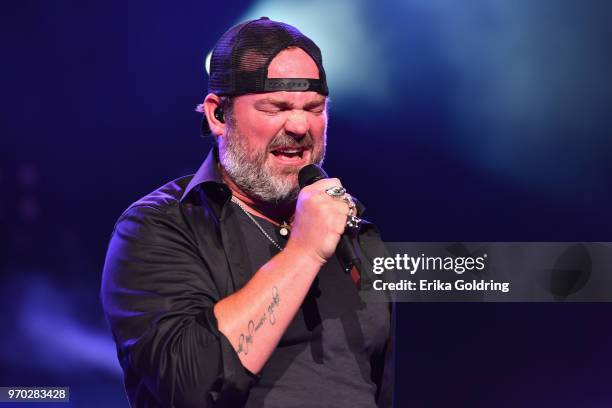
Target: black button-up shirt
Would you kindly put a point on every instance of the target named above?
(173, 254)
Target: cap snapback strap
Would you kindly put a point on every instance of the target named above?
(295, 84)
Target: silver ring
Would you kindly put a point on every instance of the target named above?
(351, 204)
(336, 191)
(353, 222)
(347, 198)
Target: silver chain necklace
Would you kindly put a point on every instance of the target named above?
(236, 201)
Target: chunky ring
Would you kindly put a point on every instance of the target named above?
(336, 191)
(353, 222)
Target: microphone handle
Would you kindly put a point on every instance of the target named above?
(347, 254)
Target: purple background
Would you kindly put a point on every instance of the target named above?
(479, 122)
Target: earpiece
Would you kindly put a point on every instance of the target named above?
(219, 114)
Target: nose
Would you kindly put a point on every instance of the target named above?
(297, 124)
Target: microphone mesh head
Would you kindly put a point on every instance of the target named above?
(311, 173)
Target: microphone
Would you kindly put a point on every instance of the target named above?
(345, 249)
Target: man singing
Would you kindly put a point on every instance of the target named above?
(224, 288)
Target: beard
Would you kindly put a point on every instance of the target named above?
(252, 171)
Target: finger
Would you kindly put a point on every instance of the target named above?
(326, 183)
(348, 199)
(339, 213)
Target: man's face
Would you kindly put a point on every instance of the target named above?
(271, 136)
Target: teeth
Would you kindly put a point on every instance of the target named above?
(289, 152)
(282, 151)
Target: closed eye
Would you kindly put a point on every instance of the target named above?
(315, 106)
(317, 109)
(269, 106)
(269, 110)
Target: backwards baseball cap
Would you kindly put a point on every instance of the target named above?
(239, 62)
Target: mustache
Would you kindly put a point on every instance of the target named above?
(284, 141)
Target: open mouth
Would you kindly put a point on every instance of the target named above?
(290, 153)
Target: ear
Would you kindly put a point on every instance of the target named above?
(212, 102)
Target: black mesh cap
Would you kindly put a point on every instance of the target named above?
(240, 59)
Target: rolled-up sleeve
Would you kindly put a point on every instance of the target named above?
(158, 295)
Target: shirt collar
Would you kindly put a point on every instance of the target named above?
(207, 173)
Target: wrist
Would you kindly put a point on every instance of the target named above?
(295, 251)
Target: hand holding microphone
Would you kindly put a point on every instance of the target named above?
(324, 218)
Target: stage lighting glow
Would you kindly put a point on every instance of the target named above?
(207, 62)
(48, 320)
(350, 54)
(509, 87)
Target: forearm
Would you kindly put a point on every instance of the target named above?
(256, 317)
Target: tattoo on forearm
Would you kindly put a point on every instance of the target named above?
(272, 306)
(253, 326)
